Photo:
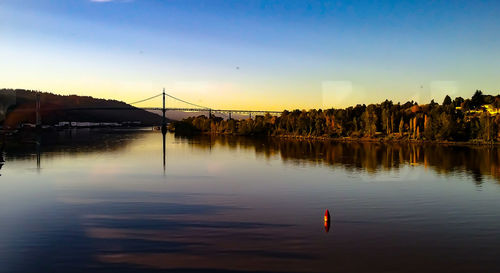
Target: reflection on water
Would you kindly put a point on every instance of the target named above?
(476, 161)
(164, 135)
(137, 201)
(2, 160)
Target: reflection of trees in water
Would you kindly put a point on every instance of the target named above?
(70, 142)
(1, 162)
(476, 161)
(2, 156)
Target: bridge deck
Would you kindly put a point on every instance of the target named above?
(153, 109)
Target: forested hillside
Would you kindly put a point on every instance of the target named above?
(17, 107)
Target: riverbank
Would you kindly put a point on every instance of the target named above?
(388, 140)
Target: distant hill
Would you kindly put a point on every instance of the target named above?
(17, 106)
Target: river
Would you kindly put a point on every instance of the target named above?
(109, 201)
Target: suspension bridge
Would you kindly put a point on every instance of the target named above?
(192, 107)
(195, 107)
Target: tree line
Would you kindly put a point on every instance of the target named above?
(473, 119)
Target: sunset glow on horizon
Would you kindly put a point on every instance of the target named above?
(252, 54)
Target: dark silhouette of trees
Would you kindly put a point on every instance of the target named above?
(477, 99)
(447, 100)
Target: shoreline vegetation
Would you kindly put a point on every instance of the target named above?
(474, 121)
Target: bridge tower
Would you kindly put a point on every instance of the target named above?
(164, 122)
(38, 115)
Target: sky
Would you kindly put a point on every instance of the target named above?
(260, 55)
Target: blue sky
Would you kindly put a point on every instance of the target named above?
(253, 54)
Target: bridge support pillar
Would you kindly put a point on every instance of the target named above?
(38, 115)
(164, 121)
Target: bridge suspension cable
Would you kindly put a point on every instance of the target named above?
(139, 101)
(200, 106)
(175, 98)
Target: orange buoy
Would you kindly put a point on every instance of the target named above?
(327, 221)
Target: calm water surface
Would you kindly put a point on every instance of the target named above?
(102, 201)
